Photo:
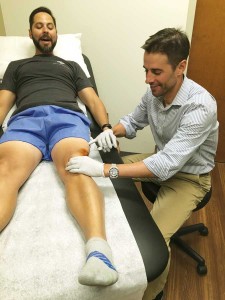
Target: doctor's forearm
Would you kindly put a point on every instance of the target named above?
(130, 170)
(119, 130)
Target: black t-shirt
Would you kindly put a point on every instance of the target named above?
(45, 80)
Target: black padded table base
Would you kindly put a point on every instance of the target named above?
(149, 239)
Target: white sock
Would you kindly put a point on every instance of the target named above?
(99, 269)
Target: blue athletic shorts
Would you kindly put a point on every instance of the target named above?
(43, 126)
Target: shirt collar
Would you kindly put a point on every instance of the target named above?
(182, 95)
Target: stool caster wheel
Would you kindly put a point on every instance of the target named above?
(204, 231)
(202, 269)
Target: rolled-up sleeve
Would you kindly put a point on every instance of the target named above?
(136, 120)
(189, 146)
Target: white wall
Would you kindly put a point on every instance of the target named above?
(113, 32)
(2, 27)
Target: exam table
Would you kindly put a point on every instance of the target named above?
(42, 248)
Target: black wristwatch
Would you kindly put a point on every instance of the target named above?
(113, 171)
(106, 125)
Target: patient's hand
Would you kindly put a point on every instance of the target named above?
(85, 165)
(106, 140)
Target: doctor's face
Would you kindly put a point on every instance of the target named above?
(164, 81)
(43, 33)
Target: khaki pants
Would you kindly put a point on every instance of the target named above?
(177, 198)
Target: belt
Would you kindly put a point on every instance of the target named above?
(204, 174)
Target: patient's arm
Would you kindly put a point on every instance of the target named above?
(94, 104)
(106, 140)
(7, 99)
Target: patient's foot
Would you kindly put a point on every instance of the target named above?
(98, 269)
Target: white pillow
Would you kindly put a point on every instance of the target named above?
(68, 47)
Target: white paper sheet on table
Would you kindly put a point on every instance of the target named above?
(42, 248)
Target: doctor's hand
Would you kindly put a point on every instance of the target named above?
(85, 165)
(105, 140)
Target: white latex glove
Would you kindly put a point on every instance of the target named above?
(85, 165)
(105, 140)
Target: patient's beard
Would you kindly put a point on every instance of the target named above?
(44, 49)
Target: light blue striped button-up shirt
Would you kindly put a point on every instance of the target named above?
(185, 132)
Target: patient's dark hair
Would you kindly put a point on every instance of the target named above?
(170, 41)
(38, 10)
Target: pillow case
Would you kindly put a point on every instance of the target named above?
(68, 47)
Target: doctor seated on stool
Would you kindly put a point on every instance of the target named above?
(182, 116)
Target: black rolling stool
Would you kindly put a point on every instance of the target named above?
(150, 190)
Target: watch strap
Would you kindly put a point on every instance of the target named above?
(106, 125)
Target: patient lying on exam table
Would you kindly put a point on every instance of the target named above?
(48, 125)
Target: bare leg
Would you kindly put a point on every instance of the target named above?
(17, 161)
(86, 204)
(84, 198)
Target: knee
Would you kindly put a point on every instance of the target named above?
(4, 220)
(4, 168)
(9, 166)
(7, 209)
(83, 151)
